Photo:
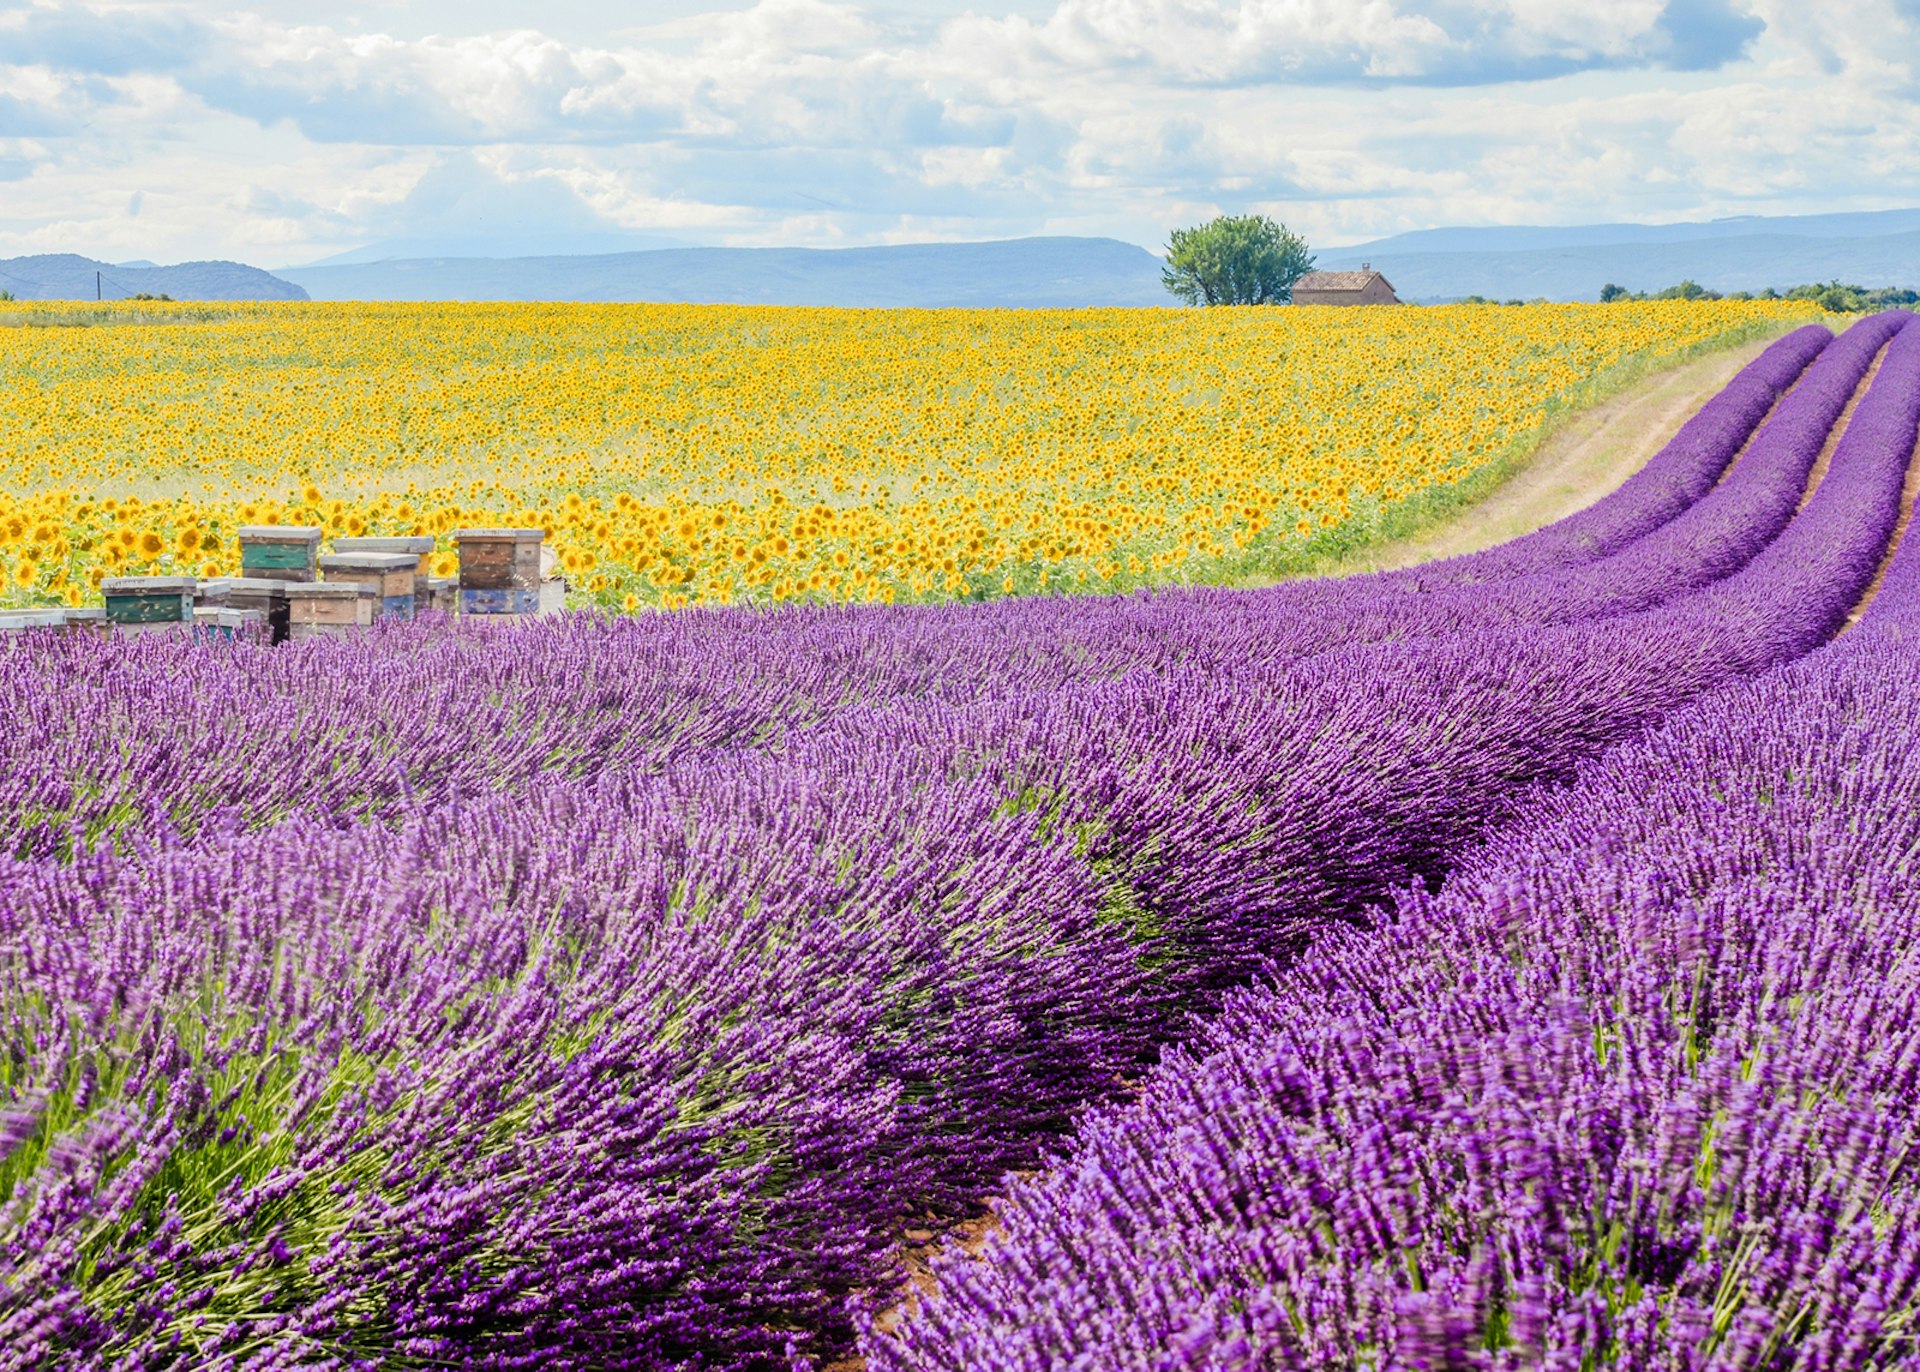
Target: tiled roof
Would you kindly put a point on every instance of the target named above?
(1334, 281)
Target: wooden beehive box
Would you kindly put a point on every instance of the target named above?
(486, 600)
(419, 545)
(281, 552)
(253, 593)
(443, 593)
(391, 577)
(327, 607)
(216, 621)
(25, 621)
(89, 620)
(499, 559)
(140, 603)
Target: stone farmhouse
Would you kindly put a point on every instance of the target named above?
(1364, 287)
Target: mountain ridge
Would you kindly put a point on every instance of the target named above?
(69, 276)
(1040, 272)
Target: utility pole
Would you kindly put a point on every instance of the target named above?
(96, 285)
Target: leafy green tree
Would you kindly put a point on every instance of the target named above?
(1686, 290)
(1243, 259)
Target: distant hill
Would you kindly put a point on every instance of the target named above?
(1022, 272)
(530, 244)
(68, 276)
(1572, 263)
(1433, 265)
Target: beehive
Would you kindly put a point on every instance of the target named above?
(217, 621)
(419, 545)
(391, 577)
(281, 552)
(499, 559)
(327, 607)
(444, 593)
(22, 621)
(482, 600)
(264, 594)
(89, 620)
(142, 604)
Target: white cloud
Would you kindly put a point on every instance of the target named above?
(807, 121)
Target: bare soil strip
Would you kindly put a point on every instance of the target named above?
(1585, 459)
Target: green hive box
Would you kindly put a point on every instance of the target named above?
(149, 599)
(279, 552)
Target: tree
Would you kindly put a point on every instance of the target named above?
(1236, 260)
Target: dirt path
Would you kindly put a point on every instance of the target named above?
(1586, 458)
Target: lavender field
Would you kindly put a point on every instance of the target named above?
(1500, 963)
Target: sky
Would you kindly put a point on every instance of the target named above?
(283, 131)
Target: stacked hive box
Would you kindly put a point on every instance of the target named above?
(499, 571)
(419, 546)
(21, 621)
(144, 604)
(443, 593)
(323, 608)
(264, 594)
(391, 577)
(219, 621)
(279, 552)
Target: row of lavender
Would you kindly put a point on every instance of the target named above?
(152, 738)
(655, 1068)
(1638, 1088)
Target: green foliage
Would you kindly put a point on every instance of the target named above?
(1236, 260)
(6, 295)
(1839, 297)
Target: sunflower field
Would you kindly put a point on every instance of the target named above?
(682, 454)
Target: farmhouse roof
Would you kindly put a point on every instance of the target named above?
(1336, 281)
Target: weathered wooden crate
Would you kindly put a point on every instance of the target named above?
(26, 621)
(216, 621)
(499, 560)
(488, 600)
(89, 620)
(391, 577)
(282, 552)
(327, 607)
(443, 593)
(138, 600)
(419, 545)
(254, 593)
